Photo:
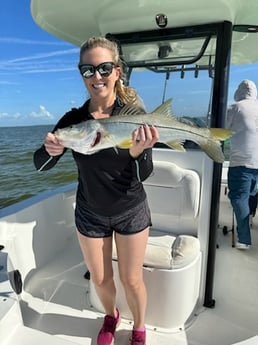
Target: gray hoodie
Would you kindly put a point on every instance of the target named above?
(242, 118)
(246, 90)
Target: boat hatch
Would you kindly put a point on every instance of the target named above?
(170, 50)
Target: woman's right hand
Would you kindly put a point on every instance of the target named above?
(52, 145)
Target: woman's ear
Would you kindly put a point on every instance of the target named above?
(118, 72)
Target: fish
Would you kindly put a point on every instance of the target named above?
(91, 136)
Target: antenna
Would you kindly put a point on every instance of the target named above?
(165, 85)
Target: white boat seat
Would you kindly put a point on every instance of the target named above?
(185, 184)
(174, 198)
(172, 262)
(168, 251)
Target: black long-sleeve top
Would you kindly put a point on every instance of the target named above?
(109, 181)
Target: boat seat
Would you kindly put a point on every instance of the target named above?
(172, 263)
(174, 198)
(165, 251)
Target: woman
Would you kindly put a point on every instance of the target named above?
(110, 198)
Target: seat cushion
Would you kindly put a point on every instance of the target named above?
(165, 251)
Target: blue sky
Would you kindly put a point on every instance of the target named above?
(39, 80)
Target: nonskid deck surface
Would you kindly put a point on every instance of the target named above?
(56, 299)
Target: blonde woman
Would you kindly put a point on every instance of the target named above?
(111, 201)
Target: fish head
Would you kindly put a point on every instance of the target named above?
(81, 137)
(92, 136)
(100, 139)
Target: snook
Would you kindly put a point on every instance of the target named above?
(94, 135)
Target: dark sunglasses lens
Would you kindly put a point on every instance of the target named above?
(87, 71)
(105, 69)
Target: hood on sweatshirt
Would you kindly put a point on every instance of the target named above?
(246, 90)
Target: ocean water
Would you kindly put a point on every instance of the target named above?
(18, 177)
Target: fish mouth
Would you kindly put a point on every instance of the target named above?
(96, 139)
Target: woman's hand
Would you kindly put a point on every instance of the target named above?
(52, 145)
(143, 138)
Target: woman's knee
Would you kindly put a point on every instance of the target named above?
(132, 282)
(102, 281)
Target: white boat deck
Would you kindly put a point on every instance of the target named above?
(55, 301)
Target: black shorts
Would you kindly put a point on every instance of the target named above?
(129, 222)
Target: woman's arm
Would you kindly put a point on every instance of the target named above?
(142, 166)
(42, 160)
(143, 139)
(49, 154)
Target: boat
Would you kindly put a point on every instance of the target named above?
(201, 290)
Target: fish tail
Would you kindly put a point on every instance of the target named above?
(213, 149)
(220, 134)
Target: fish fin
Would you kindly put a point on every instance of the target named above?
(132, 109)
(221, 134)
(213, 150)
(125, 144)
(164, 108)
(112, 140)
(176, 145)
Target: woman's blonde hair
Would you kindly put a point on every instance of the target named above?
(125, 93)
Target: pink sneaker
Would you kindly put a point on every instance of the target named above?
(106, 334)
(138, 338)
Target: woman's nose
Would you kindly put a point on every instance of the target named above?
(97, 75)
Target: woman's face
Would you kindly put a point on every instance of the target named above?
(100, 86)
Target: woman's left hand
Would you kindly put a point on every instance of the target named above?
(143, 138)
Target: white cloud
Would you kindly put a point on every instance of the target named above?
(40, 116)
(43, 113)
(46, 55)
(7, 82)
(49, 61)
(4, 115)
(8, 116)
(15, 40)
(50, 69)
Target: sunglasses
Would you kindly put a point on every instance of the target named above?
(104, 69)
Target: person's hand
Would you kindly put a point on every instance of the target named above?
(52, 145)
(142, 138)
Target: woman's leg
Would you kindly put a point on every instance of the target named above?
(130, 252)
(97, 253)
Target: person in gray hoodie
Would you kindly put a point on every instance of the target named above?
(242, 118)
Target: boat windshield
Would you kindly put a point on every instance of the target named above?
(175, 67)
(190, 89)
(169, 52)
